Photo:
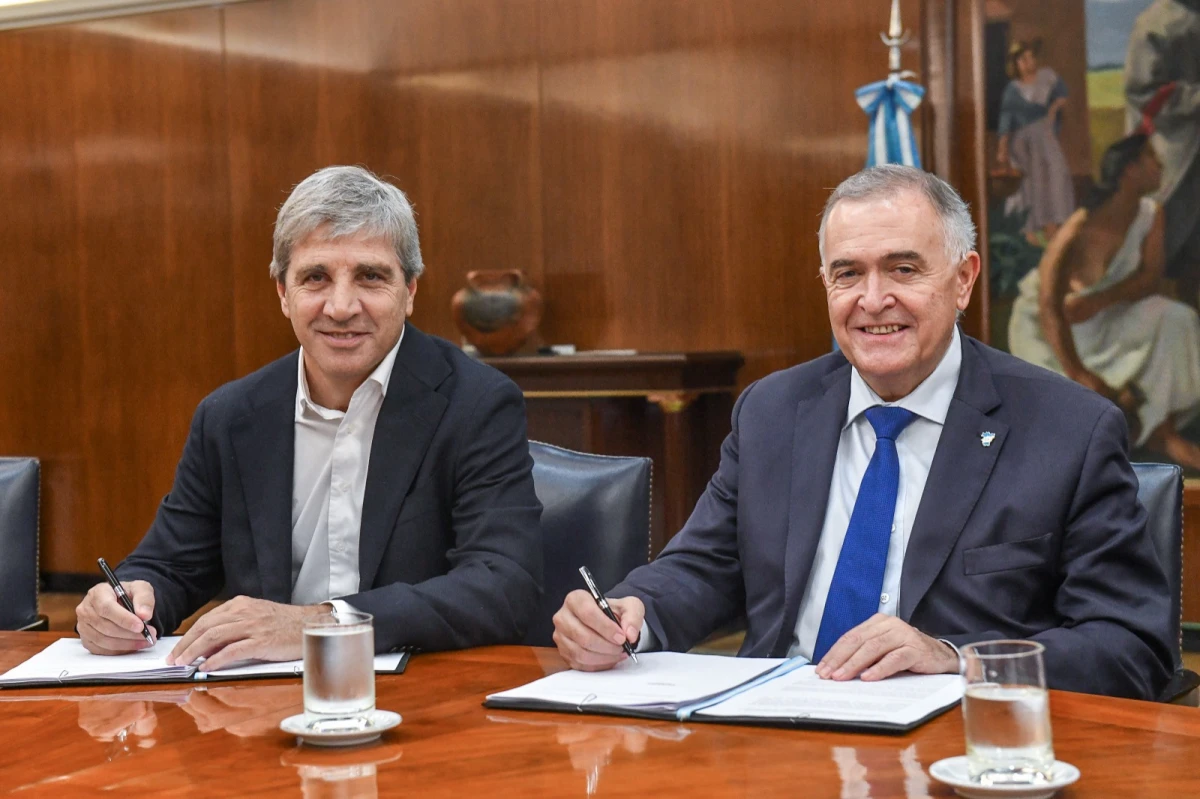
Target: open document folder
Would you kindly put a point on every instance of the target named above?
(766, 691)
(66, 662)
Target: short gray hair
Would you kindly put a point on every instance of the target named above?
(350, 200)
(888, 180)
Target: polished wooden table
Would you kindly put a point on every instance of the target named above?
(223, 740)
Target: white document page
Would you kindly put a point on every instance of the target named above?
(659, 680)
(801, 694)
(66, 660)
(385, 663)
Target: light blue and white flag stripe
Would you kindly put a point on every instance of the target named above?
(889, 103)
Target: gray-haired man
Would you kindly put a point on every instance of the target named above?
(377, 468)
(917, 491)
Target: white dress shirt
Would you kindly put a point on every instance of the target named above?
(915, 446)
(329, 480)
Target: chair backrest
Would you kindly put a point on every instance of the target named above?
(596, 513)
(18, 542)
(1160, 490)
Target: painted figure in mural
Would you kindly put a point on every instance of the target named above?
(1030, 112)
(1093, 312)
(1162, 79)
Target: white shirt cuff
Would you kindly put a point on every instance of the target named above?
(646, 640)
(341, 606)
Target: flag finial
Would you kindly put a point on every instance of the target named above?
(895, 38)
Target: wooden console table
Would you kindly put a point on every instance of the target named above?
(671, 407)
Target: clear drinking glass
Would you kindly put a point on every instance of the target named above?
(1006, 713)
(339, 671)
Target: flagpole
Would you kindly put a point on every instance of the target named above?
(889, 103)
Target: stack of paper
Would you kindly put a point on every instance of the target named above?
(66, 661)
(670, 685)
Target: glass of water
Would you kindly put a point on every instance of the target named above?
(1006, 713)
(339, 671)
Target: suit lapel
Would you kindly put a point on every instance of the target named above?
(264, 446)
(407, 421)
(960, 470)
(818, 426)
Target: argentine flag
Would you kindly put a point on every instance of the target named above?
(889, 103)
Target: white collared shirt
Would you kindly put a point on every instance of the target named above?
(915, 447)
(329, 480)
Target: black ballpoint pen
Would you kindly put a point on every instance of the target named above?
(604, 606)
(119, 590)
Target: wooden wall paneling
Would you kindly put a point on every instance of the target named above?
(798, 137)
(657, 168)
(687, 152)
(153, 231)
(118, 311)
(41, 349)
(938, 75)
(441, 101)
(473, 125)
(632, 186)
(278, 100)
(302, 95)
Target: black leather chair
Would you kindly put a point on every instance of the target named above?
(19, 545)
(596, 514)
(1160, 490)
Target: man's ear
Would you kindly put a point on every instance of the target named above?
(281, 289)
(412, 292)
(968, 273)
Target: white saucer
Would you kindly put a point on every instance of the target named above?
(953, 772)
(377, 722)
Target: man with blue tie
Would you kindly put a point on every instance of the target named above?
(880, 506)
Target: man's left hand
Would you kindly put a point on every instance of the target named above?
(245, 629)
(882, 646)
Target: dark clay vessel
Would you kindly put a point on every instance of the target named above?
(497, 311)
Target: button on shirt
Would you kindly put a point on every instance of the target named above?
(329, 480)
(915, 447)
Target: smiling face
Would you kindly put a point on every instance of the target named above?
(347, 301)
(893, 294)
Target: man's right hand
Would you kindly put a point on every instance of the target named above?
(106, 627)
(587, 639)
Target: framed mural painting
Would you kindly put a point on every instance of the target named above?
(1092, 155)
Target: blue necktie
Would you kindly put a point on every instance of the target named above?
(858, 579)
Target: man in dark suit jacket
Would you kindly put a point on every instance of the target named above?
(378, 469)
(1018, 517)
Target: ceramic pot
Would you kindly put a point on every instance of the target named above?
(497, 311)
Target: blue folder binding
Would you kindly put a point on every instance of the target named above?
(684, 713)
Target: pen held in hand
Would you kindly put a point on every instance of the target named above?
(123, 597)
(602, 602)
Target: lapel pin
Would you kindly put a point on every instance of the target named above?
(987, 438)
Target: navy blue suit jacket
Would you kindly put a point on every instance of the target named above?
(450, 551)
(1039, 535)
